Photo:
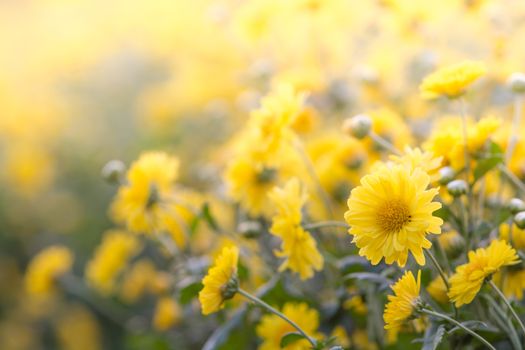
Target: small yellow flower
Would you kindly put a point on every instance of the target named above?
(45, 268)
(272, 328)
(438, 290)
(167, 314)
(298, 247)
(221, 282)
(341, 336)
(109, 260)
(402, 304)
(137, 280)
(390, 214)
(482, 264)
(451, 81)
(145, 202)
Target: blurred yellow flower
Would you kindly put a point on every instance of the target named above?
(110, 258)
(515, 236)
(221, 282)
(402, 304)
(341, 336)
(142, 200)
(137, 280)
(482, 264)
(45, 268)
(390, 214)
(272, 328)
(298, 247)
(451, 81)
(416, 158)
(167, 314)
(77, 329)
(438, 290)
(511, 281)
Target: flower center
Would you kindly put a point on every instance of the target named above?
(393, 215)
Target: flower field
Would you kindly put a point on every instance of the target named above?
(262, 174)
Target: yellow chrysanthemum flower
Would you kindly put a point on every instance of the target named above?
(45, 268)
(482, 264)
(416, 158)
(109, 260)
(221, 282)
(167, 314)
(390, 214)
(298, 247)
(438, 290)
(144, 203)
(402, 304)
(272, 328)
(451, 81)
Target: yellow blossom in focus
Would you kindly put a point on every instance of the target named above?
(109, 260)
(272, 328)
(298, 247)
(482, 264)
(221, 282)
(438, 290)
(167, 314)
(451, 81)
(390, 214)
(402, 304)
(45, 268)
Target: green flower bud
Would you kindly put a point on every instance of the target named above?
(358, 126)
(519, 219)
(516, 205)
(113, 172)
(447, 174)
(457, 188)
(516, 82)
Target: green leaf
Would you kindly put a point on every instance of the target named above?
(290, 338)
(489, 161)
(189, 292)
(208, 217)
(433, 336)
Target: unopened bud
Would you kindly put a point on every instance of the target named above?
(516, 82)
(250, 228)
(446, 174)
(358, 126)
(113, 171)
(516, 205)
(519, 219)
(457, 188)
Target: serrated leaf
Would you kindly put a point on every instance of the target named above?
(189, 292)
(290, 338)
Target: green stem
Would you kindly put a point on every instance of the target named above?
(438, 267)
(281, 315)
(506, 301)
(384, 143)
(310, 168)
(329, 223)
(456, 323)
(513, 178)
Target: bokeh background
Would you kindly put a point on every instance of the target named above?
(86, 81)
